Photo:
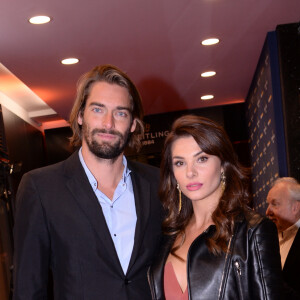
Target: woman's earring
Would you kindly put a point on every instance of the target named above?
(179, 192)
(223, 182)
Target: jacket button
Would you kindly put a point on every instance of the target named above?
(126, 281)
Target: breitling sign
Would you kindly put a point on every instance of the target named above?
(151, 137)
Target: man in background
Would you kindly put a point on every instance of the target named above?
(93, 221)
(284, 209)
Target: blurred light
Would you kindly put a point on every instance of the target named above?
(208, 74)
(39, 20)
(210, 41)
(70, 61)
(207, 97)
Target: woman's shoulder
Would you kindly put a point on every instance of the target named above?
(256, 231)
(256, 223)
(253, 219)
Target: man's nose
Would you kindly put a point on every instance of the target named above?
(108, 120)
(268, 211)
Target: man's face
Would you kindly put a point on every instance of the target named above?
(282, 209)
(106, 120)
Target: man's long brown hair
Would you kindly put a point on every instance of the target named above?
(213, 140)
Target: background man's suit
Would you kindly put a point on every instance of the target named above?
(291, 267)
(60, 225)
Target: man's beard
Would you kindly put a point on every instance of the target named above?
(105, 150)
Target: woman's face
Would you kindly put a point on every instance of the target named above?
(197, 173)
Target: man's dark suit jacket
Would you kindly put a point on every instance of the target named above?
(60, 226)
(291, 268)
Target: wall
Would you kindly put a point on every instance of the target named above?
(273, 112)
(288, 39)
(25, 145)
(22, 149)
(6, 215)
(58, 147)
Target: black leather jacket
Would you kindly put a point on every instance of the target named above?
(251, 269)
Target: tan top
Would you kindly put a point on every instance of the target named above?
(286, 239)
(171, 286)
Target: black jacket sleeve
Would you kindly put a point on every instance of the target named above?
(31, 243)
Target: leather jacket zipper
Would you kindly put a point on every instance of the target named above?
(238, 272)
(238, 268)
(223, 273)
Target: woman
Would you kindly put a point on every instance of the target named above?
(215, 246)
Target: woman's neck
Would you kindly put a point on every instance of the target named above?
(203, 211)
(199, 223)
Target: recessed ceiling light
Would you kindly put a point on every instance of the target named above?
(70, 61)
(39, 20)
(208, 74)
(210, 41)
(207, 97)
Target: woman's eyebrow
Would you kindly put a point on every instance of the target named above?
(181, 157)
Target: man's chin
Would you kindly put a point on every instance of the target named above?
(106, 151)
(274, 220)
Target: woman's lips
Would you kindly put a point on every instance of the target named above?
(194, 186)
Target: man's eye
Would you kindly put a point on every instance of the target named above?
(121, 114)
(97, 109)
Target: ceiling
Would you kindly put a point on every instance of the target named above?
(156, 42)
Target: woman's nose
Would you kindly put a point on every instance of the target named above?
(191, 171)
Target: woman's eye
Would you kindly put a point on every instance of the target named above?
(203, 159)
(178, 163)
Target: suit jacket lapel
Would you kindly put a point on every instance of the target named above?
(85, 197)
(142, 194)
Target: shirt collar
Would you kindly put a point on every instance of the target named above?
(91, 177)
(291, 229)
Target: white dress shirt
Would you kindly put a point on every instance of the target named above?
(119, 213)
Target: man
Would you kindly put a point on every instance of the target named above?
(284, 209)
(93, 221)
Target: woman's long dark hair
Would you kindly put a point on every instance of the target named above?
(213, 140)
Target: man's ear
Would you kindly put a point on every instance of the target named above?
(296, 208)
(79, 118)
(133, 125)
